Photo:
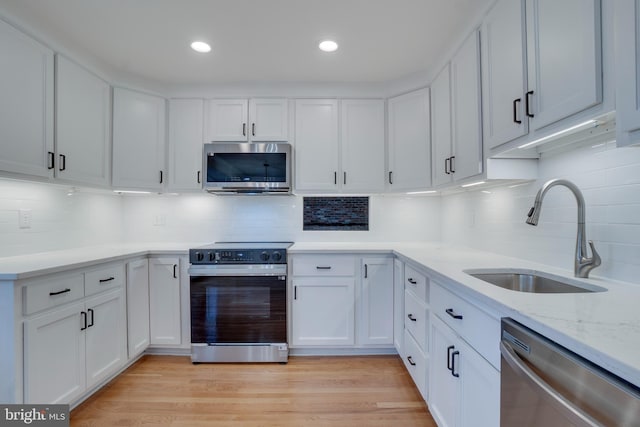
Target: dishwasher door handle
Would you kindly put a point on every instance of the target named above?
(559, 401)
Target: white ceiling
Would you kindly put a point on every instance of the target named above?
(253, 40)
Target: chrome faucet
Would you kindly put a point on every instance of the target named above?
(582, 264)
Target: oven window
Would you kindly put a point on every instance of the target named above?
(247, 167)
(238, 309)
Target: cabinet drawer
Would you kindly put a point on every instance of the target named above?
(103, 278)
(474, 325)
(323, 265)
(416, 363)
(52, 291)
(416, 282)
(416, 319)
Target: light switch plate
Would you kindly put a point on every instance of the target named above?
(24, 218)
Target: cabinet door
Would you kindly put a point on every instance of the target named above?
(362, 145)
(269, 119)
(82, 125)
(398, 306)
(409, 142)
(504, 72)
(466, 105)
(443, 385)
(186, 117)
(316, 147)
(441, 127)
(627, 26)
(627, 62)
(54, 356)
(106, 335)
(138, 140)
(227, 120)
(376, 301)
(164, 301)
(480, 389)
(26, 104)
(323, 311)
(564, 58)
(137, 306)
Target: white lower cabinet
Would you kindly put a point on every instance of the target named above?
(137, 306)
(323, 311)
(54, 356)
(464, 381)
(341, 300)
(164, 301)
(376, 302)
(69, 350)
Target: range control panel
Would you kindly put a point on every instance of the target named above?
(238, 256)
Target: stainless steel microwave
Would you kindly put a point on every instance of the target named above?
(247, 168)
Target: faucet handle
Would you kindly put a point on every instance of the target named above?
(595, 259)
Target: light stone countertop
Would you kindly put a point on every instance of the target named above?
(604, 327)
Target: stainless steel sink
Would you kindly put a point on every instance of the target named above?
(533, 282)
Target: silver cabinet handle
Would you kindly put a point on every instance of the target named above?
(578, 417)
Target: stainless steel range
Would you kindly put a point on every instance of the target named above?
(239, 302)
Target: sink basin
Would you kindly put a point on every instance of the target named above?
(533, 282)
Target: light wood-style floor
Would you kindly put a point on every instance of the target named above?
(349, 391)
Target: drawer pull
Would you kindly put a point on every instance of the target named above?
(412, 281)
(410, 316)
(411, 362)
(321, 267)
(64, 291)
(107, 280)
(451, 313)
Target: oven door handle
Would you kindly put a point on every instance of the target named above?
(236, 270)
(536, 382)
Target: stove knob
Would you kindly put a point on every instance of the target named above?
(212, 256)
(199, 256)
(264, 256)
(276, 256)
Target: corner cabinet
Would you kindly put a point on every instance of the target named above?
(409, 148)
(627, 25)
(186, 128)
(138, 141)
(456, 116)
(137, 307)
(242, 120)
(465, 359)
(375, 316)
(83, 126)
(26, 104)
(531, 77)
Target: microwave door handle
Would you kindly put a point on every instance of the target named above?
(565, 406)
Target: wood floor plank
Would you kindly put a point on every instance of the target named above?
(372, 391)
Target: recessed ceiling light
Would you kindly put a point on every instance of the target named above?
(201, 47)
(328, 46)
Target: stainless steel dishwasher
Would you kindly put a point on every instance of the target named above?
(544, 384)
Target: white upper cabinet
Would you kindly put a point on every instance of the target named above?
(26, 104)
(466, 105)
(560, 71)
(316, 146)
(186, 127)
(627, 25)
(362, 145)
(257, 119)
(409, 142)
(138, 140)
(441, 126)
(82, 125)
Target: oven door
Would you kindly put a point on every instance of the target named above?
(236, 309)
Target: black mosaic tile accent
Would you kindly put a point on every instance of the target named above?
(335, 213)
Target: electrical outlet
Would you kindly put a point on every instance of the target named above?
(160, 220)
(24, 218)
